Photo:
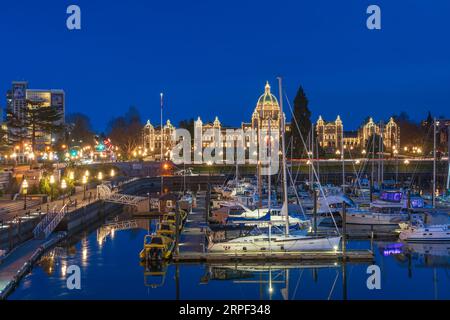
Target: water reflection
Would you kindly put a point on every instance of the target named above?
(154, 273)
(110, 251)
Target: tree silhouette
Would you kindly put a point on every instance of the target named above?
(302, 115)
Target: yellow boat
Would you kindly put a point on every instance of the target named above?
(166, 229)
(172, 219)
(156, 247)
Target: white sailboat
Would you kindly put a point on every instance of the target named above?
(265, 216)
(281, 242)
(276, 242)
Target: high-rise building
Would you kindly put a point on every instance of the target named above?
(20, 96)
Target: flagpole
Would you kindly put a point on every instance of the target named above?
(283, 152)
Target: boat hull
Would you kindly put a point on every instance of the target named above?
(375, 218)
(289, 245)
(424, 236)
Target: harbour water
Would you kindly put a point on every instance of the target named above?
(110, 269)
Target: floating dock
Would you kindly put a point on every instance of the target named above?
(351, 255)
(192, 237)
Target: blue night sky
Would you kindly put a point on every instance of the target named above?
(214, 57)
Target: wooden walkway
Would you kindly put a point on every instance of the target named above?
(192, 237)
(21, 259)
(15, 260)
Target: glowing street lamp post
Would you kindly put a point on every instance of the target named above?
(52, 182)
(24, 191)
(63, 187)
(84, 181)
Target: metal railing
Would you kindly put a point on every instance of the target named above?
(44, 222)
(54, 223)
(105, 193)
(50, 222)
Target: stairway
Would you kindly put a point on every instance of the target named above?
(49, 223)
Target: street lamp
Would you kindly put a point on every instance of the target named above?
(84, 181)
(87, 173)
(71, 175)
(209, 164)
(52, 182)
(113, 173)
(24, 191)
(100, 176)
(63, 187)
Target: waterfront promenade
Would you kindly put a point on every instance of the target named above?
(17, 210)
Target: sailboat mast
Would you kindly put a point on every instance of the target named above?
(237, 171)
(270, 166)
(343, 161)
(283, 152)
(448, 152)
(259, 160)
(312, 155)
(434, 164)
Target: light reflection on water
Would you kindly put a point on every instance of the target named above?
(110, 269)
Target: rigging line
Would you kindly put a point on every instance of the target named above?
(298, 283)
(313, 168)
(358, 182)
(333, 286)
(423, 157)
(296, 194)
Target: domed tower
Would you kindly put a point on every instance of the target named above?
(339, 133)
(267, 108)
(320, 130)
(391, 135)
(216, 123)
(149, 137)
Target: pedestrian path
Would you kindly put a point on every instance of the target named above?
(192, 237)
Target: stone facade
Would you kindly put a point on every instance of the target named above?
(266, 115)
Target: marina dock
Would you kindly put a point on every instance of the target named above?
(193, 245)
(192, 237)
(351, 255)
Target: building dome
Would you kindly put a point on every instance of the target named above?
(267, 99)
(267, 109)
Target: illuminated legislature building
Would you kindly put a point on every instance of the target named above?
(265, 115)
(331, 135)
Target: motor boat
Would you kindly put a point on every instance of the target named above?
(390, 209)
(419, 232)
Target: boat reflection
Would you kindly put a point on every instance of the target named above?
(154, 273)
(422, 255)
(266, 274)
